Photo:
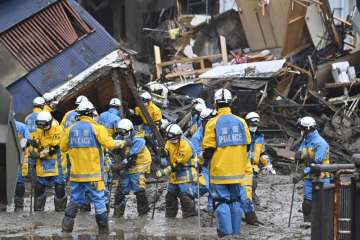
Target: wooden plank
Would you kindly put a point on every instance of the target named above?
(130, 80)
(187, 73)
(347, 84)
(189, 60)
(296, 32)
(264, 31)
(223, 49)
(157, 55)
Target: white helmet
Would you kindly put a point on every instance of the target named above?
(85, 108)
(146, 97)
(252, 117)
(198, 100)
(115, 102)
(173, 132)
(222, 96)
(307, 123)
(44, 120)
(164, 123)
(206, 113)
(124, 127)
(39, 102)
(48, 97)
(79, 99)
(199, 107)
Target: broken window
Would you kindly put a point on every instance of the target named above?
(44, 35)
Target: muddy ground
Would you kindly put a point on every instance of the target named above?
(275, 197)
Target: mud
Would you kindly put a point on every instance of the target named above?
(274, 193)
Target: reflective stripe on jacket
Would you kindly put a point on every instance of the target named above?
(51, 164)
(229, 135)
(84, 142)
(315, 149)
(258, 156)
(183, 158)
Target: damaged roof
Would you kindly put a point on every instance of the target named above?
(43, 61)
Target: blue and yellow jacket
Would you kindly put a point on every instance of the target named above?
(154, 112)
(23, 132)
(49, 164)
(30, 121)
(229, 135)
(69, 118)
(84, 142)
(141, 155)
(109, 119)
(183, 159)
(315, 149)
(257, 154)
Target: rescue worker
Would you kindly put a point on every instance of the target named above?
(49, 169)
(30, 120)
(84, 142)
(195, 121)
(154, 112)
(70, 117)
(259, 159)
(23, 135)
(136, 163)
(50, 102)
(196, 140)
(182, 171)
(313, 149)
(225, 147)
(112, 116)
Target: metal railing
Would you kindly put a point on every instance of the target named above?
(336, 206)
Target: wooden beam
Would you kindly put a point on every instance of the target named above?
(186, 73)
(188, 60)
(223, 49)
(157, 55)
(117, 88)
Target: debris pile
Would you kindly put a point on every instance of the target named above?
(275, 62)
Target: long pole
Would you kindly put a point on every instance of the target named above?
(292, 197)
(155, 198)
(198, 193)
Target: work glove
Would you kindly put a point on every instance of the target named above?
(34, 155)
(53, 150)
(268, 170)
(45, 152)
(164, 172)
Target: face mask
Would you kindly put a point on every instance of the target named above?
(253, 129)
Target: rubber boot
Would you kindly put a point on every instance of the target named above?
(120, 204)
(142, 203)
(39, 198)
(251, 218)
(187, 205)
(172, 205)
(306, 209)
(69, 219)
(103, 224)
(60, 204)
(19, 197)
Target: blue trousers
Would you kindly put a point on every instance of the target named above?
(97, 196)
(189, 188)
(51, 181)
(132, 182)
(308, 187)
(228, 211)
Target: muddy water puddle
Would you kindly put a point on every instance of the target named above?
(274, 193)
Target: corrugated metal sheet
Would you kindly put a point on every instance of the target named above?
(67, 64)
(23, 10)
